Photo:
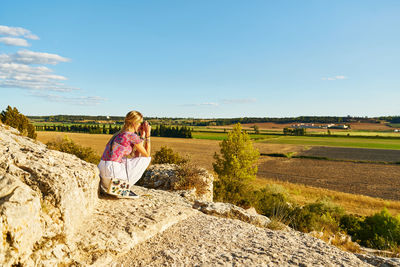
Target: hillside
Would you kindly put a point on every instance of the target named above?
(52, 214)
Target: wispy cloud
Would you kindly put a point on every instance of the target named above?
(14, 41)
(334, 78)
(205, 104)
(17, 75)
(74, 100)
(222, 102)
(25, 70)
(30, 57)
(17, 31)
(239, 101)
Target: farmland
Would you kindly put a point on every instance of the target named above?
(359, 187)
(355, 154)
(376, 180)
(357, 142)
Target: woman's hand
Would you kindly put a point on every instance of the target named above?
(147, 128)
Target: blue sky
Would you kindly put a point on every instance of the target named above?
(201, 58)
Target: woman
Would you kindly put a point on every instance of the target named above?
(133, 139)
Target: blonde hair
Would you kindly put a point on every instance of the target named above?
(131, 118)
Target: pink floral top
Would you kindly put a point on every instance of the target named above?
(122, 146)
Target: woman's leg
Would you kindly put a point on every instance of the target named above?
(136, 168)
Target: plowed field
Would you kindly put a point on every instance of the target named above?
(376, 180)
(347, 153)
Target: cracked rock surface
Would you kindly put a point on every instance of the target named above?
(204, 240)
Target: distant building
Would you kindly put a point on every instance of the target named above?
(313, 126)
(334, 126)
(305, 126)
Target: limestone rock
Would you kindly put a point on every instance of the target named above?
(163, 177)
(204, 240)
(379, 260)
(45, 195)
(20, 222)
(118, 225)
(231, 211)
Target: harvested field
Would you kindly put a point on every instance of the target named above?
(370, 126)
(346, 153)
(201, 151)
(282, 171)
(375, 180)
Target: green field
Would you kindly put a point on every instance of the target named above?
(221, 136)
(336, 141)
(358, 133)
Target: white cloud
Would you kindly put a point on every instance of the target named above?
(209, 104)
(29, 77)
(17, 31)
(239, 101)
(31, 57)
(334, 78)
(74, 100)
(224, 101)
(14, 41)
(18, 70)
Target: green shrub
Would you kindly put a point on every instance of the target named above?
(380, 231)
(233, 191)
(68, 146)
(351, 224)
(322, 215)
(167, 155)
(273, 202)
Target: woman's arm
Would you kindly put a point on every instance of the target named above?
(146, 149)
(143, 150)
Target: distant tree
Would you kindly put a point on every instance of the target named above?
(294, 131)
(236, 166)
(12, 117)
(256, 129)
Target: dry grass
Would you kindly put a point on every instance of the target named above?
(202, 151)
(190, 176)
(352, 203)
(338, 240)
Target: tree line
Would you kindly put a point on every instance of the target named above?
(171, 131)
(218, 121)
(80, 128)
(160, 130)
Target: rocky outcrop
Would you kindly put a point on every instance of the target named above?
(118, 225)
(51, 214)
(205, 240)
(227, 210)
(378, 260)
(164, 177)
(44, 196)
